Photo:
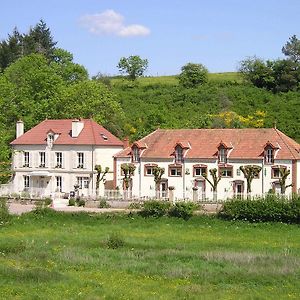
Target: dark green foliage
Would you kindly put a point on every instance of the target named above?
(155, 208)
(182, 210)
(114, 241)
(270, 209)
(4, 213)
(81, 202)
(103, 204)
(135, 205)
(134, 66)
(72, 202)
(193, 75)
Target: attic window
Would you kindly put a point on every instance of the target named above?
(222, 155)
(178, 154)
(104, 136)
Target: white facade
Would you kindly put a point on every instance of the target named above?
(143, 185)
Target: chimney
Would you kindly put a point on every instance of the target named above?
(77, 126)
(126, 142)
(19, 128)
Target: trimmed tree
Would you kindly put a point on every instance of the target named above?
(215, 181)
(128, 172)
(100, 176)
(250, 172)
(158, 173)
(284, 173)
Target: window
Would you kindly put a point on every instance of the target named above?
(175, 171)
(59, 183)
(83, 182)
(80, 156)
(222, 155)
(59, 160)
(178, 155)
(26, 159)
(238, 172)
(226, 172)
(26, 181)
(149, 170)
(276, 172)
(42, 159)
(269, 156)
(135, 154)
(199, 171)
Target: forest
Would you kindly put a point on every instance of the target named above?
(38, 80)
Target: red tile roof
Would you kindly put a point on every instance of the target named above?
(245, 143)
(91, 134)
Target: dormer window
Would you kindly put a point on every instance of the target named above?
(178, 155)
(50, 139)
(269, 155)
(222, 155)
(135, 154)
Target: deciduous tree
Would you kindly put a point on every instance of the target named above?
(134, 66)
(193, 75)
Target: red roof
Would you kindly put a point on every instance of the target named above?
(91, 134)
(244, 143)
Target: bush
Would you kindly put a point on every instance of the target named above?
(103, 204)
(155, 208)
(272, 208)
(4, 212)
(71, 202)
(135, 205)
(81, 202)
(114, 241)
(182, 210)
(48, 201)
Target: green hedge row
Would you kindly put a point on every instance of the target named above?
(158, 208)
(269, 209)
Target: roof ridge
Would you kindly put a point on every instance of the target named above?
(279, 133)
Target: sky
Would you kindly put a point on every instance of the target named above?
(169, 33)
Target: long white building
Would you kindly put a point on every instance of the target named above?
(56, 155)
(186, 154)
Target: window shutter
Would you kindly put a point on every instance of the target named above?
(84, 160)
(36, 159)
(52, 159)
(75, 159)
(31, 157)
(19, 159)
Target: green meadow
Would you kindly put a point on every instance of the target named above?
(51, 255)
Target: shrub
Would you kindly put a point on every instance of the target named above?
(71, 202)
(182, 210)
(81, 202)
(4, 212)
(48, 201)
(272, 208)
(135, 205)
(103, 204)
(155, 208)
(114, 241)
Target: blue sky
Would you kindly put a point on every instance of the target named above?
(168, 33)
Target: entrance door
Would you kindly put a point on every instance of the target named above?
(200, 184)
(277, 188)
(239, 189)
(164, 189)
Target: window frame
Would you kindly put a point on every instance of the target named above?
(149, 167)
(178, 169)
(275, 169)
(26, 159)
(59, 183)
(59, 160)
(26, 181)
(42, 155)
(80, 160)
(135, 154)
(179, 154)
(201, 167)
(223, 155)
(221, 169)
(83, 182)
(269, 155)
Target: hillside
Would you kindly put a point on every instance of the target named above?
(225, 101)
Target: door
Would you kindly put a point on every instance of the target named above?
(200, 184)
(239, 189)
(164, 189)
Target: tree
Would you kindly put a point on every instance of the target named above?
(284, 173)
(193, 75)
(258, 72)
(215, 181)
(128, 172)
(133, 65)
(100, 176)
(250, 172)
(158, 172)
(292, 49)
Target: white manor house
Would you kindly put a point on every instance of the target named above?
(188, 155)
(54, 156)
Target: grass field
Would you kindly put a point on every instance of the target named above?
(173, 80)
(65, 256)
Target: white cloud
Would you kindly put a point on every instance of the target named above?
(110, 22)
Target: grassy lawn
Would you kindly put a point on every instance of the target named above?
(173, 80)
(65, 256)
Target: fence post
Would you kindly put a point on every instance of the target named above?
(171, 194)
(195, 194)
